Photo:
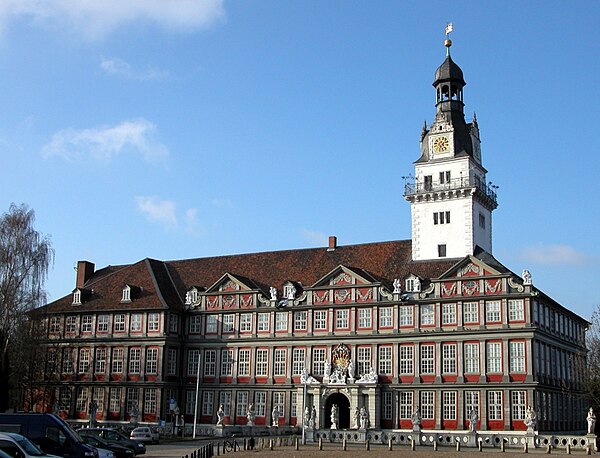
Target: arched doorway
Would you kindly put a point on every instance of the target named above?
(343, 405)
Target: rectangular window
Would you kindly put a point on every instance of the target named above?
(244, 363)
(300, 321)
(449, 313)
(117, 360)
(341, 319)
(84, 360)
(494, 357)
(386, 317)
(263, 322)
(293, 404)
(226, 363)
(211, 324)
(172, 361)
(102, 325)
(441, 217)
(208, 399)
(472, 358)
(71, 324)
(427, 359)
(86, 323)
(133, 397)
(318, 361)
(225, 401)
(518, 404)
(449, 358)
(135, 355)
(406, 359)
(517, 356)
(492, 311)
(471, 312)
(151, 361)
(210, 363)
(228, 323)
(242, 403)
(385, 360)
(441, 251)
(281, 321)
(471, 402)
(387, 405)
(320, 320)
(192, 362)
(114, 400)
(173, 323)
(150, 401)
(428, 405)
(481, 221)
(195, 324)
(262, 362)
(406, 405)
(190, 402)
(298, 358)
(81, 404)
(119, 324)
(245, 322)
(427, 315)
(280, 360)
(100, 363)
(279, 402)
(364, 318)
(445, 177)
(136, 322)
(364, 361)
(449, 405)
(51, 361)
(495, 405)
(515, 310)
(406, 315)
(260, 403)
(153, 322)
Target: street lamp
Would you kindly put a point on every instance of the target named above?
(196, 400)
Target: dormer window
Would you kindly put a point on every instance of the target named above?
(191, 297)
(77, 297)
(126, 294)
(413, 284)
(289, 291)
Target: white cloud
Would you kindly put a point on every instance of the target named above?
(553, 255)
(118, 67)
(315, 237)
(133, 136)
(96, 18)
(155, 209)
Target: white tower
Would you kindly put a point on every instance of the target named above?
(451, 204)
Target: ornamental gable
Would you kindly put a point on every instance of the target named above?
(343, 276)
(470, 266)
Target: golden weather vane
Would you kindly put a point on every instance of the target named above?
(448, 42)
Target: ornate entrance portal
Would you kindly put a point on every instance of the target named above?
(343, 408)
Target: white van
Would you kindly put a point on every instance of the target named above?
(19, 446)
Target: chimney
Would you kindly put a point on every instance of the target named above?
(85, 270)
(332, 243)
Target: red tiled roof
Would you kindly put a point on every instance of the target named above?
(163, 284)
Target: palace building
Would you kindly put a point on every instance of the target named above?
(435, 322)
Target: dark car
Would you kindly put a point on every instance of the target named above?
(120, 451)
(112, 436)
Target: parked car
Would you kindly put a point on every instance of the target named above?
(18, 446)
(119, 451)
(115, 437)
(49, 432)
(145, 434)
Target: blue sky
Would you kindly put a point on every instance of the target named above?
(187, 128)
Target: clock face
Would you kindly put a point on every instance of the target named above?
(441, 145)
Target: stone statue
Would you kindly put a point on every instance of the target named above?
(356, 418)
(530, 419)
(291, 293)
(417, 285)
(591, 421)
(527, 280)
(313, 418)
(56, 407)
(327, 372)
(370, 377)
(351, 370)
(397, 286)
(334, 416)
(250, 415)
(273, 292)
(416, 417)
(473, 419)
(306, 417)
(133, 414)
(220, 416)
(275, 416)
(363, 418)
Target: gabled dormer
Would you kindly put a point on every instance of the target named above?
(345, 276)
(191, 296)
(412, 284)
(81, 295)
(130, 292)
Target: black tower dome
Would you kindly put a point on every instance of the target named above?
(449, 83)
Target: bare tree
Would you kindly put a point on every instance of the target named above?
(25, 257)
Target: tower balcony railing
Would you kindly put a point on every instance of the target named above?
(413, 187)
